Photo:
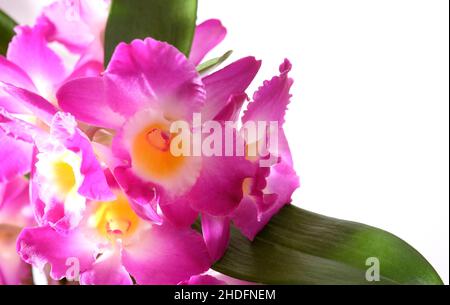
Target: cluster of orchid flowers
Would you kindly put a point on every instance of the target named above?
(87, 183)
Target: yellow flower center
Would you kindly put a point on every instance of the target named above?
(116, 218)
(64, 177)
(151, 153)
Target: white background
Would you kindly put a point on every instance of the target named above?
(369, 120)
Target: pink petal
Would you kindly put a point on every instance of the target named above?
(150, 73)
(13, 271)
(87, 69)
(29, 50)
(68, 26)
(142, 194)
(233, 108)
(250, 218)
(15, 203)
(15, 156)
(207, 36)
(166, 255)
(35, 104)
(216, 232)
(12, 74)
(39, 246)
(231, 80)
(89, 100)
(179, 212)
(271, 100)
(218, 190)
(107, 270)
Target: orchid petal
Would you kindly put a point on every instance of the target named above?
(207, 36)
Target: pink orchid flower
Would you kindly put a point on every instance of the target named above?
(147, 86)
(15, 214)
(35, 63)
(113, 245)
(64, 169)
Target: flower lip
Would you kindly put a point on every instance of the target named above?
(116, 219)
(151, 154)
(147, 138)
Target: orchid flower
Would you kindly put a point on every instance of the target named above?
(113, 245)
(147, 86)
(37, 57)
(15, 214)
(35, 64)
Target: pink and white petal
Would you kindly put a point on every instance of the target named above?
(142, 195)
(35, 104)
(151, 73)
(94, 185)
(43, 245)
(166, 255)
(231, 80)
(88, 99)
(30, 51)
(107, 270)
(13, 271)
(204, 279)
(271, 100)
(207, 36)
(16, 157)
(216, 233)
(12, 74)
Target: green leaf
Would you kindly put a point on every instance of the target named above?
(7, 25)
(213, 63)
(300, 247)
(172, 21)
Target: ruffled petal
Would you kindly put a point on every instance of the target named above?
(231, 80)
(207, 36)
(39, 246)
(271, 100)
(166, 255)
(216, 232)
(150, 73)
(77, 23)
